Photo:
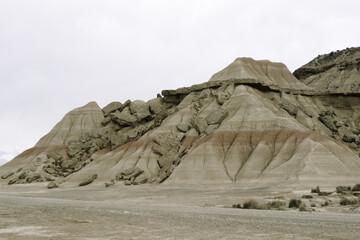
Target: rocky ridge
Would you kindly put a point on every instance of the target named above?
(335, 71)
(251, 129)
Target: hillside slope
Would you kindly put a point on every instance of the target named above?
(251, 130)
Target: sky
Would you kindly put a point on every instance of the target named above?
(61, 54)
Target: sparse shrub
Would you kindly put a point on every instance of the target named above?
(315, 190)
(341, 189)
(356, 187)
(347, 201)
(236, 205)
(294, 203)
(252, 204)
(307, 196)
(325, 204)
(275, 205)
(313, 205)
(302, 208)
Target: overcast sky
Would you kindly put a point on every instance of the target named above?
(59, 55)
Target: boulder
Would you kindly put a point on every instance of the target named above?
(141, 179)
(221, 97)
(167, 141)
(6, 175)
(216, 117)
(182, 127)
(106, 120)
(111, 107)
(329, 122)
(199, 123)
(156, 105)
(88, 180)
(290, 108)
(33, 176)
(111, 183)
(349, 138)
(118, 139)
(54, 155)
(124, 118)
(353, 145)
(52, 184)
(74, 147)
(211, 128)
(140, 110)
(132, 176)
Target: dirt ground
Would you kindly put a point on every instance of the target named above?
(166, 212)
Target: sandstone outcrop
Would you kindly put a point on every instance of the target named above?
(336, 71)
(253, 124)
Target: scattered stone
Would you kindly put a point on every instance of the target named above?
(221, 97)
(182, 127)
(111, 107)
(328, 122)
(199, 123)
(124, 118)
(216, 117)
(211, 128)
(140, 110)
(111, 183)
(106, 120)
(141, 179)
(349, 138)
(33, 176)
(353, 145)
(290, 108)
(74, 147)
(52, 184)
(127, 182)
(54, 155)
(7, 175)
(156, 105)
(88, 180)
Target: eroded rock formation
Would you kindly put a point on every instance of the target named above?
(252, 124)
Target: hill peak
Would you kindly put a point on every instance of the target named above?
(267, 72)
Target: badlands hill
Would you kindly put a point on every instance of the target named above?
(336, 71)
(252, 124)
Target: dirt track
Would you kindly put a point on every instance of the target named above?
(94, 216)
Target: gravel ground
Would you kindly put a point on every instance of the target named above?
(51, 218)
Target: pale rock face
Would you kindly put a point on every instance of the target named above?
(336, 71)
(74, 125)
(219, 132)
(264, 71)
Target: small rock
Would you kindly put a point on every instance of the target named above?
(290, 108)
(199, 123)
(52, 184)
(141, 179)
(6, 175)
(182, 127)
(33, 177)
(111, 107)
(349, 138)
(54, 156)
(127, 182)
(88, 180)
(124, 118)
(111, 183)
(216, 117)
(353, 145)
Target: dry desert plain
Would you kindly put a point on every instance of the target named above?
(32, 211)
